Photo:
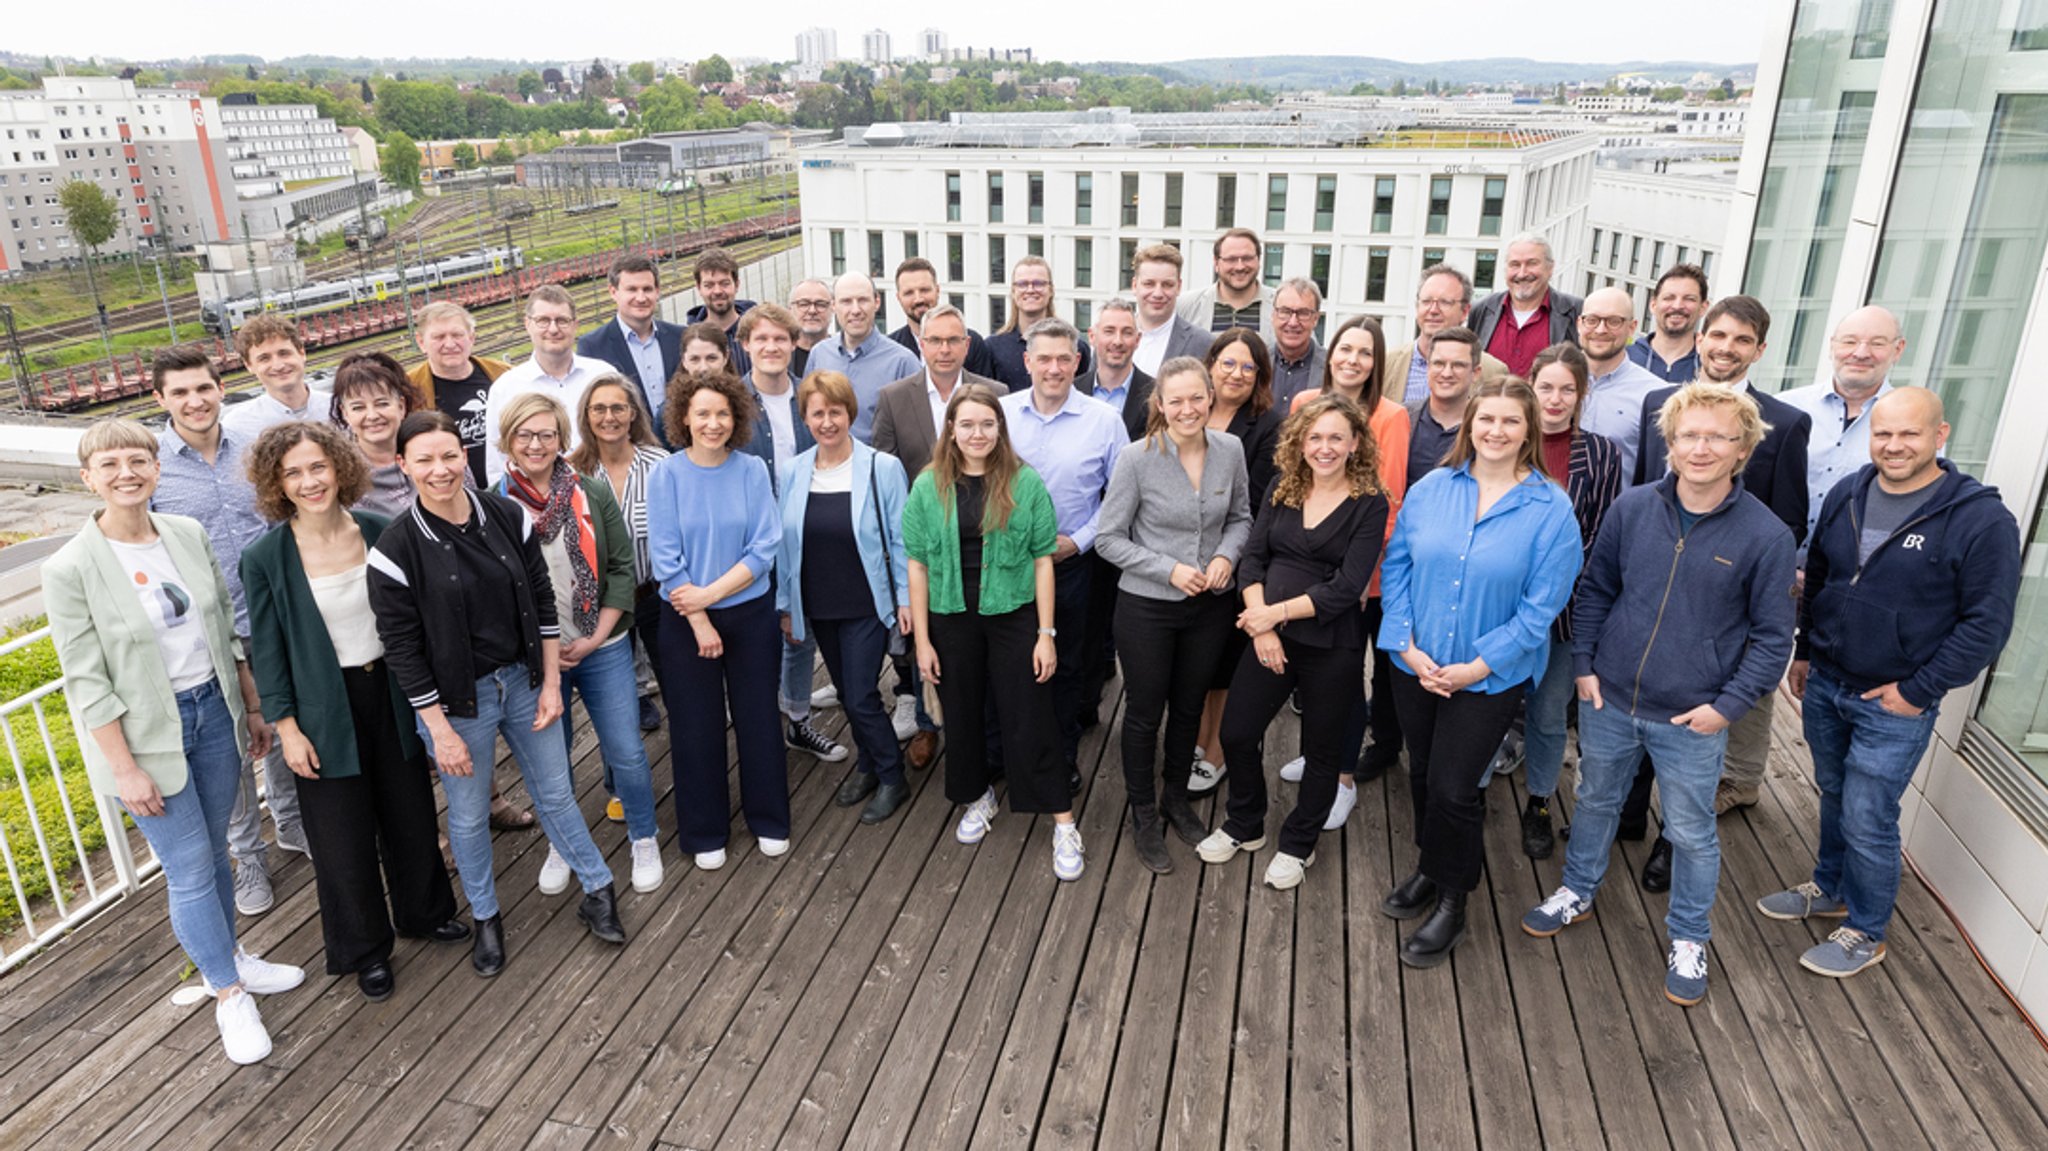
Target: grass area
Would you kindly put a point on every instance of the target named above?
(60, 294)
(76, 353)
(21, 672)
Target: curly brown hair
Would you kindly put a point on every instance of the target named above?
(266, 464)
(675, 410)
(1362, 469)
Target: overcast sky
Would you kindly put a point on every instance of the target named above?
(1726, 32)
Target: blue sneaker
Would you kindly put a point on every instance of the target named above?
(1802, 902)
(1685, 983)
(1845, 953)
(1553, 915)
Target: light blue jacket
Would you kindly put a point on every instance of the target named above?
(874, 473)
(1461, 586)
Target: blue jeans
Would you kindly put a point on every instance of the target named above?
(190, 838)
(1611, 745)
(611, 694)
(505, 704)
(854, 651)
(1863, 761)
(1550, 696)
(798, 662)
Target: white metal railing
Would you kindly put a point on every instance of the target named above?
(107, 873)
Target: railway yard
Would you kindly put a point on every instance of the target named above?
(566, 237)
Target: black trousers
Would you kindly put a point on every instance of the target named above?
(1636, 808)
(1070, 583)
(745, 679)
(389, 804)
(984, 661)
(1385, 721)
(1450, 742)
(647, 612)
(854, 650)
(1170, 646)
(1099, 637)
(1330, 680)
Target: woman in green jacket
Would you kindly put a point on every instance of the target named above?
(979, 531)
(344, 726)
(589, 552)
(158, 689)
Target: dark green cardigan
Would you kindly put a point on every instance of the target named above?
(293, 659)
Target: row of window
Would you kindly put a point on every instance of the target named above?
(1635, 255)
(1492, 203)
(1485, 263)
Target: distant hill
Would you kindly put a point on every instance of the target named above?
(1340, 73)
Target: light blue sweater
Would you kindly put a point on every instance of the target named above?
(701, 521)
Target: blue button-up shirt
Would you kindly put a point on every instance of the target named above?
(1837, 446)
(1073, 450)
(1461, 586)
(878, 362)
(1682, 370)
(1614, 408)
(219, 496)
(647, 365)
(1115, 397)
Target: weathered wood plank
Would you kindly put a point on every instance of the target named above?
(1373, 863)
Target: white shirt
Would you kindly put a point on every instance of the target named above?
(781, 409)
(167, 602)
(251, 418)
(938, 402)
(528, 377)
(1152, 348)
(344, 602)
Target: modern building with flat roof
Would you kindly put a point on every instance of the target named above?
(1359, 202)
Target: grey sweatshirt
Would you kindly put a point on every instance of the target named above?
(1152, 518)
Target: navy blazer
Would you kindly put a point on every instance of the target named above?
(1776, 471)
(607, 342)
(1136, 400)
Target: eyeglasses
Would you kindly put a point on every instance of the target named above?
(610, 409)
(1234, 260)
(546, 438)
(1431, 304)
(1294, 313)
(1237, 367)
(1714, 440)
(1611, 323)
(810, 305)
(1031, 285)
(945, 341)
(1878, 345)
(552, 321)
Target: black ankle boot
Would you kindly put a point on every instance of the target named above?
(1657, 868)
(1432, 942)
(1179, 814)
(1415, 896)
(487, 954)
(599, 911)
(1147, 836)
(1538, 838)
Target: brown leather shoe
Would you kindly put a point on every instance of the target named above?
(1727, 799)
(924, 747)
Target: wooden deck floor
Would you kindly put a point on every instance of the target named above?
(886, 987)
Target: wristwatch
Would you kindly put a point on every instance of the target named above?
(1051, 631)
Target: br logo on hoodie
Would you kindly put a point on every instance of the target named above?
(1913, 542)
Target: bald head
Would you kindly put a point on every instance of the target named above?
(1865, 346)
(1607, 322)
(853, 301)
(1907, 433)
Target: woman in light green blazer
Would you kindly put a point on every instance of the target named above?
(158, 688)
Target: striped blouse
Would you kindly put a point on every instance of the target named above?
(633, 504)
(1593, 481)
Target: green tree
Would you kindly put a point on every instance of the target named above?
(399, 159)
(422, 110)
(89, 214)
(368, 96)
(464, 156)
(712, 69)
(503, 154)
(641, 72)
(529, 85)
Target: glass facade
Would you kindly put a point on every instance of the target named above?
(1175, 182)
(1276, 203)
(1275, 260)
(1823, 121)
(1226, 202)
(1326, 203)
(1383, 204)
(1084, 198)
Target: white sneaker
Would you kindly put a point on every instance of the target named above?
(904, 718)
(1221, 848)
(1066, 852)
(1340, 808)
(242, 1033)
(554, 874)
(773, 848)
(261, 977)
(1285, 870)
(1204, 776)
(646, 864)
(1290, 772)
(975, 821)
(824, 697)
(710, 860)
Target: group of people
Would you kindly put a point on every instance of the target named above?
(1522, 516)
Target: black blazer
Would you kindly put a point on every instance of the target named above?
(607, 342)
(1564, 316)
(1776, 471)
(1134, 404)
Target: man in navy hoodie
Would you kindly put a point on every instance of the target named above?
(1911, 574)
(1683, 621)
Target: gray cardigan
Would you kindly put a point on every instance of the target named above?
(1152, 518)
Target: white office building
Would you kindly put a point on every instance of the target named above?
(1334, 197)
(931, 43)
(1643, 222)
(874, 47)
(1894, 156)
(271, 146)
(817, 46)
